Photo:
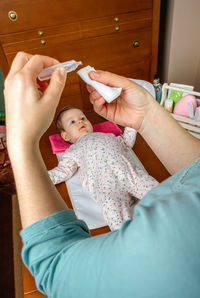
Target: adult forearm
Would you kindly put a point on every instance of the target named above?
(37, 196)
(30, 109)
(135, 107)
(175, 147)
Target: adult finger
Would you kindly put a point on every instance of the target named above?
(99, 107)
(94, 96)
(99, 104)
(37, 63)
(56, 85)
(19, 61)
(90, 89)
(109, 78)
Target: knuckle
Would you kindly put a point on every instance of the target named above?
(107, 74)
(20, 54)
(19, 80)
(36, 57)
(19, 76)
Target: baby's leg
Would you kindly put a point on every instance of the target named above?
(114, 200)
(141, 184)
(116, 210)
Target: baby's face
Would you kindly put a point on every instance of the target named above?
(75, 125)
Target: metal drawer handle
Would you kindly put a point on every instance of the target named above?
(136, 43)
(43, 42)
(40, 33)
(12, 15)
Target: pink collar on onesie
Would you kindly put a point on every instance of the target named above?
(58, 145)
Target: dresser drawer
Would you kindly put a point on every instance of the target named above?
(49, 37)
(44, 13)
(106, 49)
(114, 52)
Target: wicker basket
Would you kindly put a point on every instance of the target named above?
(189, 124)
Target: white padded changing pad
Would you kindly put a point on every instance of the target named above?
(84, 207)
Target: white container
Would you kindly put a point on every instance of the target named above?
(168, 105)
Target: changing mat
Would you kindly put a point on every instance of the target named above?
(84, 207)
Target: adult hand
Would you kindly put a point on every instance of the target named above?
(130, 108)
(29, 110)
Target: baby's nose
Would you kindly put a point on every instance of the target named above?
(79, 121)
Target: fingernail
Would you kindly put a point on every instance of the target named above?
(95, 74)
(62, 71)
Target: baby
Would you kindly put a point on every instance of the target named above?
(106, 169)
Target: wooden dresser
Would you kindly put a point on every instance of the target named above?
(118, 36)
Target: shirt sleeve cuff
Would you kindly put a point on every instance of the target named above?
(52, 221)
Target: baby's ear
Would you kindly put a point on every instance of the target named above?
(65, 136)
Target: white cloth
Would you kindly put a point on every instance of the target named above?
(148, 86)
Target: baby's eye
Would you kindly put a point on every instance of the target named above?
(83, 118)
(72, 122)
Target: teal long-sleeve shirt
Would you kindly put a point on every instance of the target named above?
(154, 255)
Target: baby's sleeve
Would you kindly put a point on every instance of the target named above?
(67, 166)
(128, 137)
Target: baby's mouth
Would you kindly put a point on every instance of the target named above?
(83, 126)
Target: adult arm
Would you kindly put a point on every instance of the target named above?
(136, 108)
(58, 249)
(29, 112)
(159, 246)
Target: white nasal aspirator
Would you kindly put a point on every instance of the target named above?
(69, 66)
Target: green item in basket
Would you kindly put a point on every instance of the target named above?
(175, 96)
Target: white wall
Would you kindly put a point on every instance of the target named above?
(181, 57)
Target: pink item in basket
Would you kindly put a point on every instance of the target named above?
(182, 107)
(2, 129)
(59, 145)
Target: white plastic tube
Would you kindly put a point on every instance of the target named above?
(70, 65)
(108, 93)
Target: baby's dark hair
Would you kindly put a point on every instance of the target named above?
(58, 118)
